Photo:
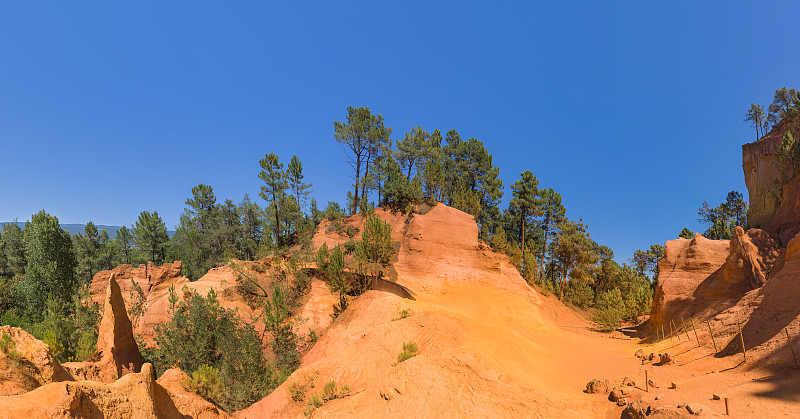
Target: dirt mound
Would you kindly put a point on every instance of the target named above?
(135, 395)
(488, 344)
(35, 367)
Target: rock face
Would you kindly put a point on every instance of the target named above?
(119, 353)
(36, 367)
(116, 347)
(774, 205)
(147, 276)
(136, 395)
(702, 275)
(686, 264)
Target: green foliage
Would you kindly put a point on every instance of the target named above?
(150, 234)
(8, 347)
(610, 310)
(50, 266)
(51, 340)
(284, 340)
(757, 119)
(201, 332)
(686, 234)
(137, 303)
(362, 135)
(410, 350)
(7, 343)
(297, 392)
(323, 255)
(723, 218)
(404, 313)
(337, 281)
(205, 381)
(312, 404)
(86, 347)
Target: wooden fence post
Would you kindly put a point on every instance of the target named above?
(686, 329)
(789, 341)
(712, 336)
(694, 329)
(744, 350)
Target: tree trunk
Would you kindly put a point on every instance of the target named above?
(563, 283)
(277, 220)
(522, 233)
(544, 249)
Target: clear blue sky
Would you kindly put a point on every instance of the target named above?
(631, 110)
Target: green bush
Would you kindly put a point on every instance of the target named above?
(205, 382)
(410, 350)
(312, 404)
(201, 332)
(297, 391)
(404, 313)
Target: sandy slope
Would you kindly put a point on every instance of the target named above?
(489, 344)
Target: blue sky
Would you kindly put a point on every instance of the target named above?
(631, 110)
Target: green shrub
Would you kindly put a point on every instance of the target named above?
(297, 391)
(322, 257)
(205, 382)
(329, 391)
(201, 332)
(87, 346)
(7, 343)
(410, 350)
(404, 313)
(56, 347)
(312, 404)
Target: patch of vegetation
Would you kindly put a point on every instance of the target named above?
(404, 313)
(9, 347)
(205, 382)
(410, 350)
(201, 332)
(329, 392)
(312, 404)
(610, 310)
(137, 303)
(297, 391)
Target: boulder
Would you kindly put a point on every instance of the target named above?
(597, 386)
(636, 410)
(664, 359)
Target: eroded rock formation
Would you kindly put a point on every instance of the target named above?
(36, 366)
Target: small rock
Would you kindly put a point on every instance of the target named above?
(616, 394)
(664, 358)
(639, 353)
(387, 393)
(658, 396)
(695, 409)
(673, 385)
(682, 406)
(597, 386)
(651, 357)
(622, 402)
(628, 382)
(652, 383)
(715, 397)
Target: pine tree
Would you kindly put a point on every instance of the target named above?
(274, 189)
(525, 192)
(150, 234)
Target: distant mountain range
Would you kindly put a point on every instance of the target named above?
(74, 229)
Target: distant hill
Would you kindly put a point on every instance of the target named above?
(74, 229)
